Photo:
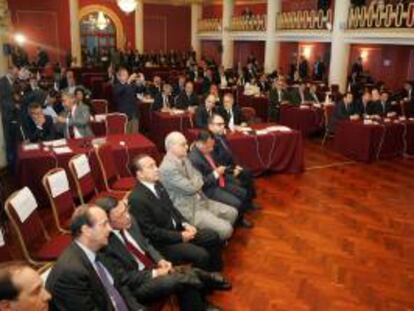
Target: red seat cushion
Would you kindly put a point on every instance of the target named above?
(124, 184)
(53, 248)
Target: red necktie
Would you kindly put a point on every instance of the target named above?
(210, 161)
(141, 256)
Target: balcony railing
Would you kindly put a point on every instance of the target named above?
(209, 25)
(248, 23)
(304, 20)
(382, 16)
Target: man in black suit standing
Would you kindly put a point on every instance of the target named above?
(218, 185)
(131, 251)
(38, 127)
(230, 112)
(82, 279)
(277, 96)
(125, 93)
(187, 99)
(205, 111)
(163, 224)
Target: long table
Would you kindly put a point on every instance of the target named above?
(369, 142)
(279, 152)
(307, 120)
(33, 164)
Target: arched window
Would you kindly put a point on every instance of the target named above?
(97, 40)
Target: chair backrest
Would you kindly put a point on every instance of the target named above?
(107, 164)
(57, 187)
(21, 209)
(99, 106)
(82, 175)
(116, 123)
(248, 114)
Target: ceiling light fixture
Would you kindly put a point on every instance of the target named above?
(127, 6)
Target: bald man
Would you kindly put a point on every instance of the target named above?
(184, 185)
(204, 111)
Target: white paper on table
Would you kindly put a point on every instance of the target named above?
(100, 117)
(29, 147)
(81, 165)
(61, 150)
(55, 143)
(177, 111)
(278, 128)
(244, 129)
(304, 107)
(58, 183)
(2, 243)
(262, 132)
(24, 203)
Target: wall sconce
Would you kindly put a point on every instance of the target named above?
(307, 51)
(364, 55)
(20, 38)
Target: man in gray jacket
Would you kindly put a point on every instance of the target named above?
(184, 185)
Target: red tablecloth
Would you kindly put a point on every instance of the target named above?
(163, 123)
(280, 152)
(144, 115)
(32, 165)
(260, 104)
(371, 142)
(308, 121)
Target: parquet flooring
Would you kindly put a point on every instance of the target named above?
(338, 237)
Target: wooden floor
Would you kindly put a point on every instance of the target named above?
(338, 237)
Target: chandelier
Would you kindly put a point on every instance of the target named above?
(127, 6)
(101, 22)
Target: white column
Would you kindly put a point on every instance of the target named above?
(139, 27)
(75, 31)
(196, 13)
(272, 47)
(338, 67)
(227, 42)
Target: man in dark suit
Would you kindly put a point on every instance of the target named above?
(218, 185)
(22, 289)
(277, 95)
(205, 111)
(187, 98)
(83, 279)
(303, 68)
(365, 106)
(223, 155)
(230, 112)
(207, 81)
(343, 110)
(263, 84)
(131, 251)
(180, 86)
(156, 87)
(163, 224)
(124, 93)
(319, 69)
(38, 127)
(386, 105)
(298, 95)
(163, 101)
(375, 104)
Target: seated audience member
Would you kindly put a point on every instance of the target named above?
(184, 185)
(343, 110)
(297, 95)
(124, 93)
(215, 92)
(162, 223)
(217, 184)
(131, 252)
(22, 289)
(203, 112)
(50, 106)
(375, 104)
(386, 105)
(263, 84)
(194, 73)
(180, 86)
(84, 279)
(277, 96)
(207, 81)
(407, 92)
(223, 155)
(230, 112)
(222, 79)
(365, 106)
(38, 127)
(163, 101)
(311, 95)
(69, 85)
(33, 93)
(156, 87)
(187, 98)
(76, 118)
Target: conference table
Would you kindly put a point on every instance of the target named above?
(306, 119)
(264, 151)
(259, 103)
(369, 142)
(33, 164)
(163, 123)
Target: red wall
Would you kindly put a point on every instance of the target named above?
(297, 5)
(167, 27)
(392, 64)
(242, 50)
(216, 10)
(44, 23)
(211, 49)
(212, 11)
(287, 51)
